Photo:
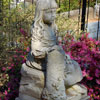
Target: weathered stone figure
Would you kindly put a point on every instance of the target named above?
(49, 74)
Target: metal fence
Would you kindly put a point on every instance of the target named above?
(83, 13)
(16, 16)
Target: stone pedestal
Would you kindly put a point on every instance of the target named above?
(32, 84)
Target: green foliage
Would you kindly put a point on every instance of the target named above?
(74, 4)
(66, 24)
(3, 42)
(93, 2)
(64, 5)
(16, 18)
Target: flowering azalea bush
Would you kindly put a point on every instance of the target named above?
(86, 51)
(10, 68)
(11, 74)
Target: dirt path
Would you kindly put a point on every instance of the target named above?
(91, 17)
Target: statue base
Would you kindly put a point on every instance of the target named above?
(32, 85)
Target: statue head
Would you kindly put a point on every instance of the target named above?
(44, 24)
(45, 11)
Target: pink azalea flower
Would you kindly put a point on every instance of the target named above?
(91, 90)
(98, 81)
(27, 49)
(23, 32)
(97, 73)
(84, 73)
(15, 56)
(97, 42)
(89, 78)
(9, 67)
(12, 65)
(6, 92)
(8, 89)
(21, 56)
(3, 68)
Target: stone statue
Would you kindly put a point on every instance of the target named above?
(49, 74)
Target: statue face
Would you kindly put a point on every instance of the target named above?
(49, 16)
